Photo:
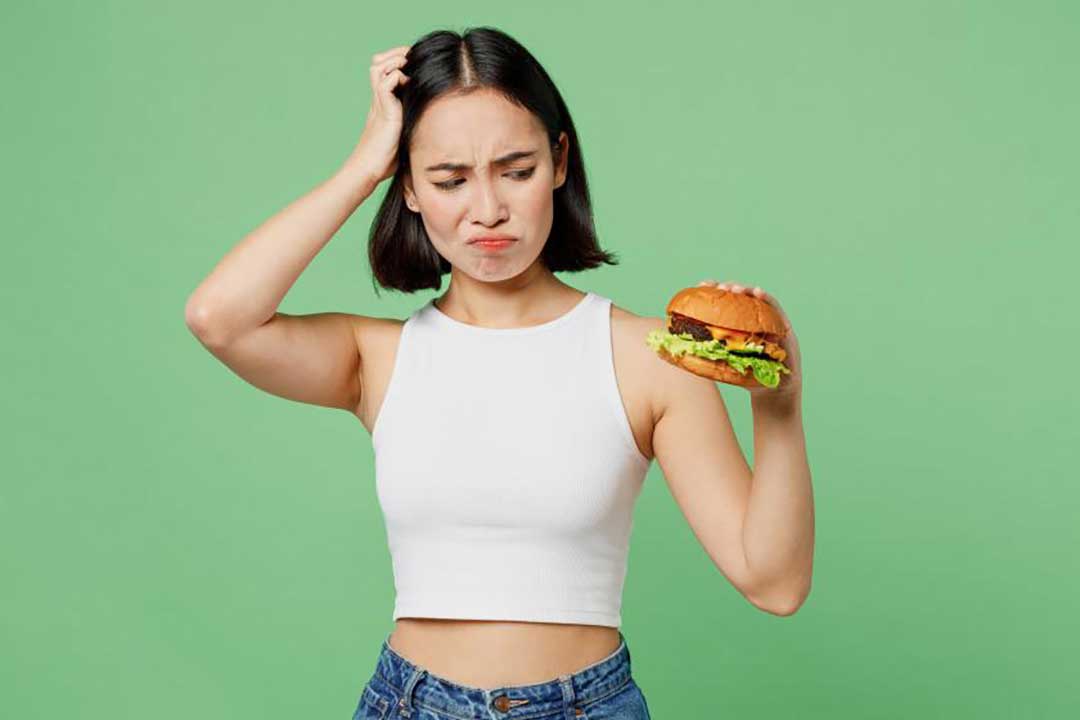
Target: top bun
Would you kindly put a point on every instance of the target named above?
(733, 310)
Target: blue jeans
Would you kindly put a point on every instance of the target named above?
(601, 691)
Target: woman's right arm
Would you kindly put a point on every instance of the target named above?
(233, 312)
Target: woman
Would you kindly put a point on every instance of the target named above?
(513, 417)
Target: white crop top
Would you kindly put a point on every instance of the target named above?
(506, 469)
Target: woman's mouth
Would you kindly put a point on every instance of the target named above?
(492, 244)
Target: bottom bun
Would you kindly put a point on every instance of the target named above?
(712, 369)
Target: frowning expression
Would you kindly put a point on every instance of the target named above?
(481, 166)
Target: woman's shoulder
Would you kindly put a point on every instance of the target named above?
(627, 321)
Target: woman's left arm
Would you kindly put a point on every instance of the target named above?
(778, 534)
(757, 525)
(778, 531)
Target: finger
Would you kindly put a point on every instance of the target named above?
(706, 282)
(378, 57)
(392, 80)
(380, 71)
(374, 75)
(394, 61)
(391, 70)
(384, 83)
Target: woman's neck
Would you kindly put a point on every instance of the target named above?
(518, 302)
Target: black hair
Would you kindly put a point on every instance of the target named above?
(443, 62)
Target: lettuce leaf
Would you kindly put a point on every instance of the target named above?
(767, 372)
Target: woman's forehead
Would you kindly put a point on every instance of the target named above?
(477, 127)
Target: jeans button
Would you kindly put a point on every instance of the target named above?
(502, 703)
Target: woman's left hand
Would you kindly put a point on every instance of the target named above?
(790, 385)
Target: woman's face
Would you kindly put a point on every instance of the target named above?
(468, 178)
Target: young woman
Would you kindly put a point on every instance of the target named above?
(514, 417)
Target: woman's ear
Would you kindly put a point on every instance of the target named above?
(561, 156)
(410, 196)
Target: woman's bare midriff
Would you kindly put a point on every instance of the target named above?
(493, 653)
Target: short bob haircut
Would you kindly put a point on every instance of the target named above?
(441, 62)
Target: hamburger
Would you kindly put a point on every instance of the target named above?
(726, 336)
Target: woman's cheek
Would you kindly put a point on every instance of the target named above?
(442, 212)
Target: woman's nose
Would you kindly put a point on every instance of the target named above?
(488, 205)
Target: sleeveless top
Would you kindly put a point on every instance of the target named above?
(506, 469)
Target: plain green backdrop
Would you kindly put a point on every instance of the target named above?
(175, 543)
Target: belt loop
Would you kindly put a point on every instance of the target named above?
(405, 703)
(567, 685)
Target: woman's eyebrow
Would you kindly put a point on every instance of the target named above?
(505, 159)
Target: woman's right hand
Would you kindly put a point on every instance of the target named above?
(377, 150)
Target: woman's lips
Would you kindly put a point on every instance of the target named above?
(491, 244)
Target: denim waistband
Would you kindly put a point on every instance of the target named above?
(414, 685)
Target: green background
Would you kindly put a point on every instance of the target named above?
(902, 176)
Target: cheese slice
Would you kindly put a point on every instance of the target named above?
(737, 340)
(720, 333)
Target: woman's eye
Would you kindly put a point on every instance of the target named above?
(515, 174)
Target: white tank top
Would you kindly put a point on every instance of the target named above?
(506, 469)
